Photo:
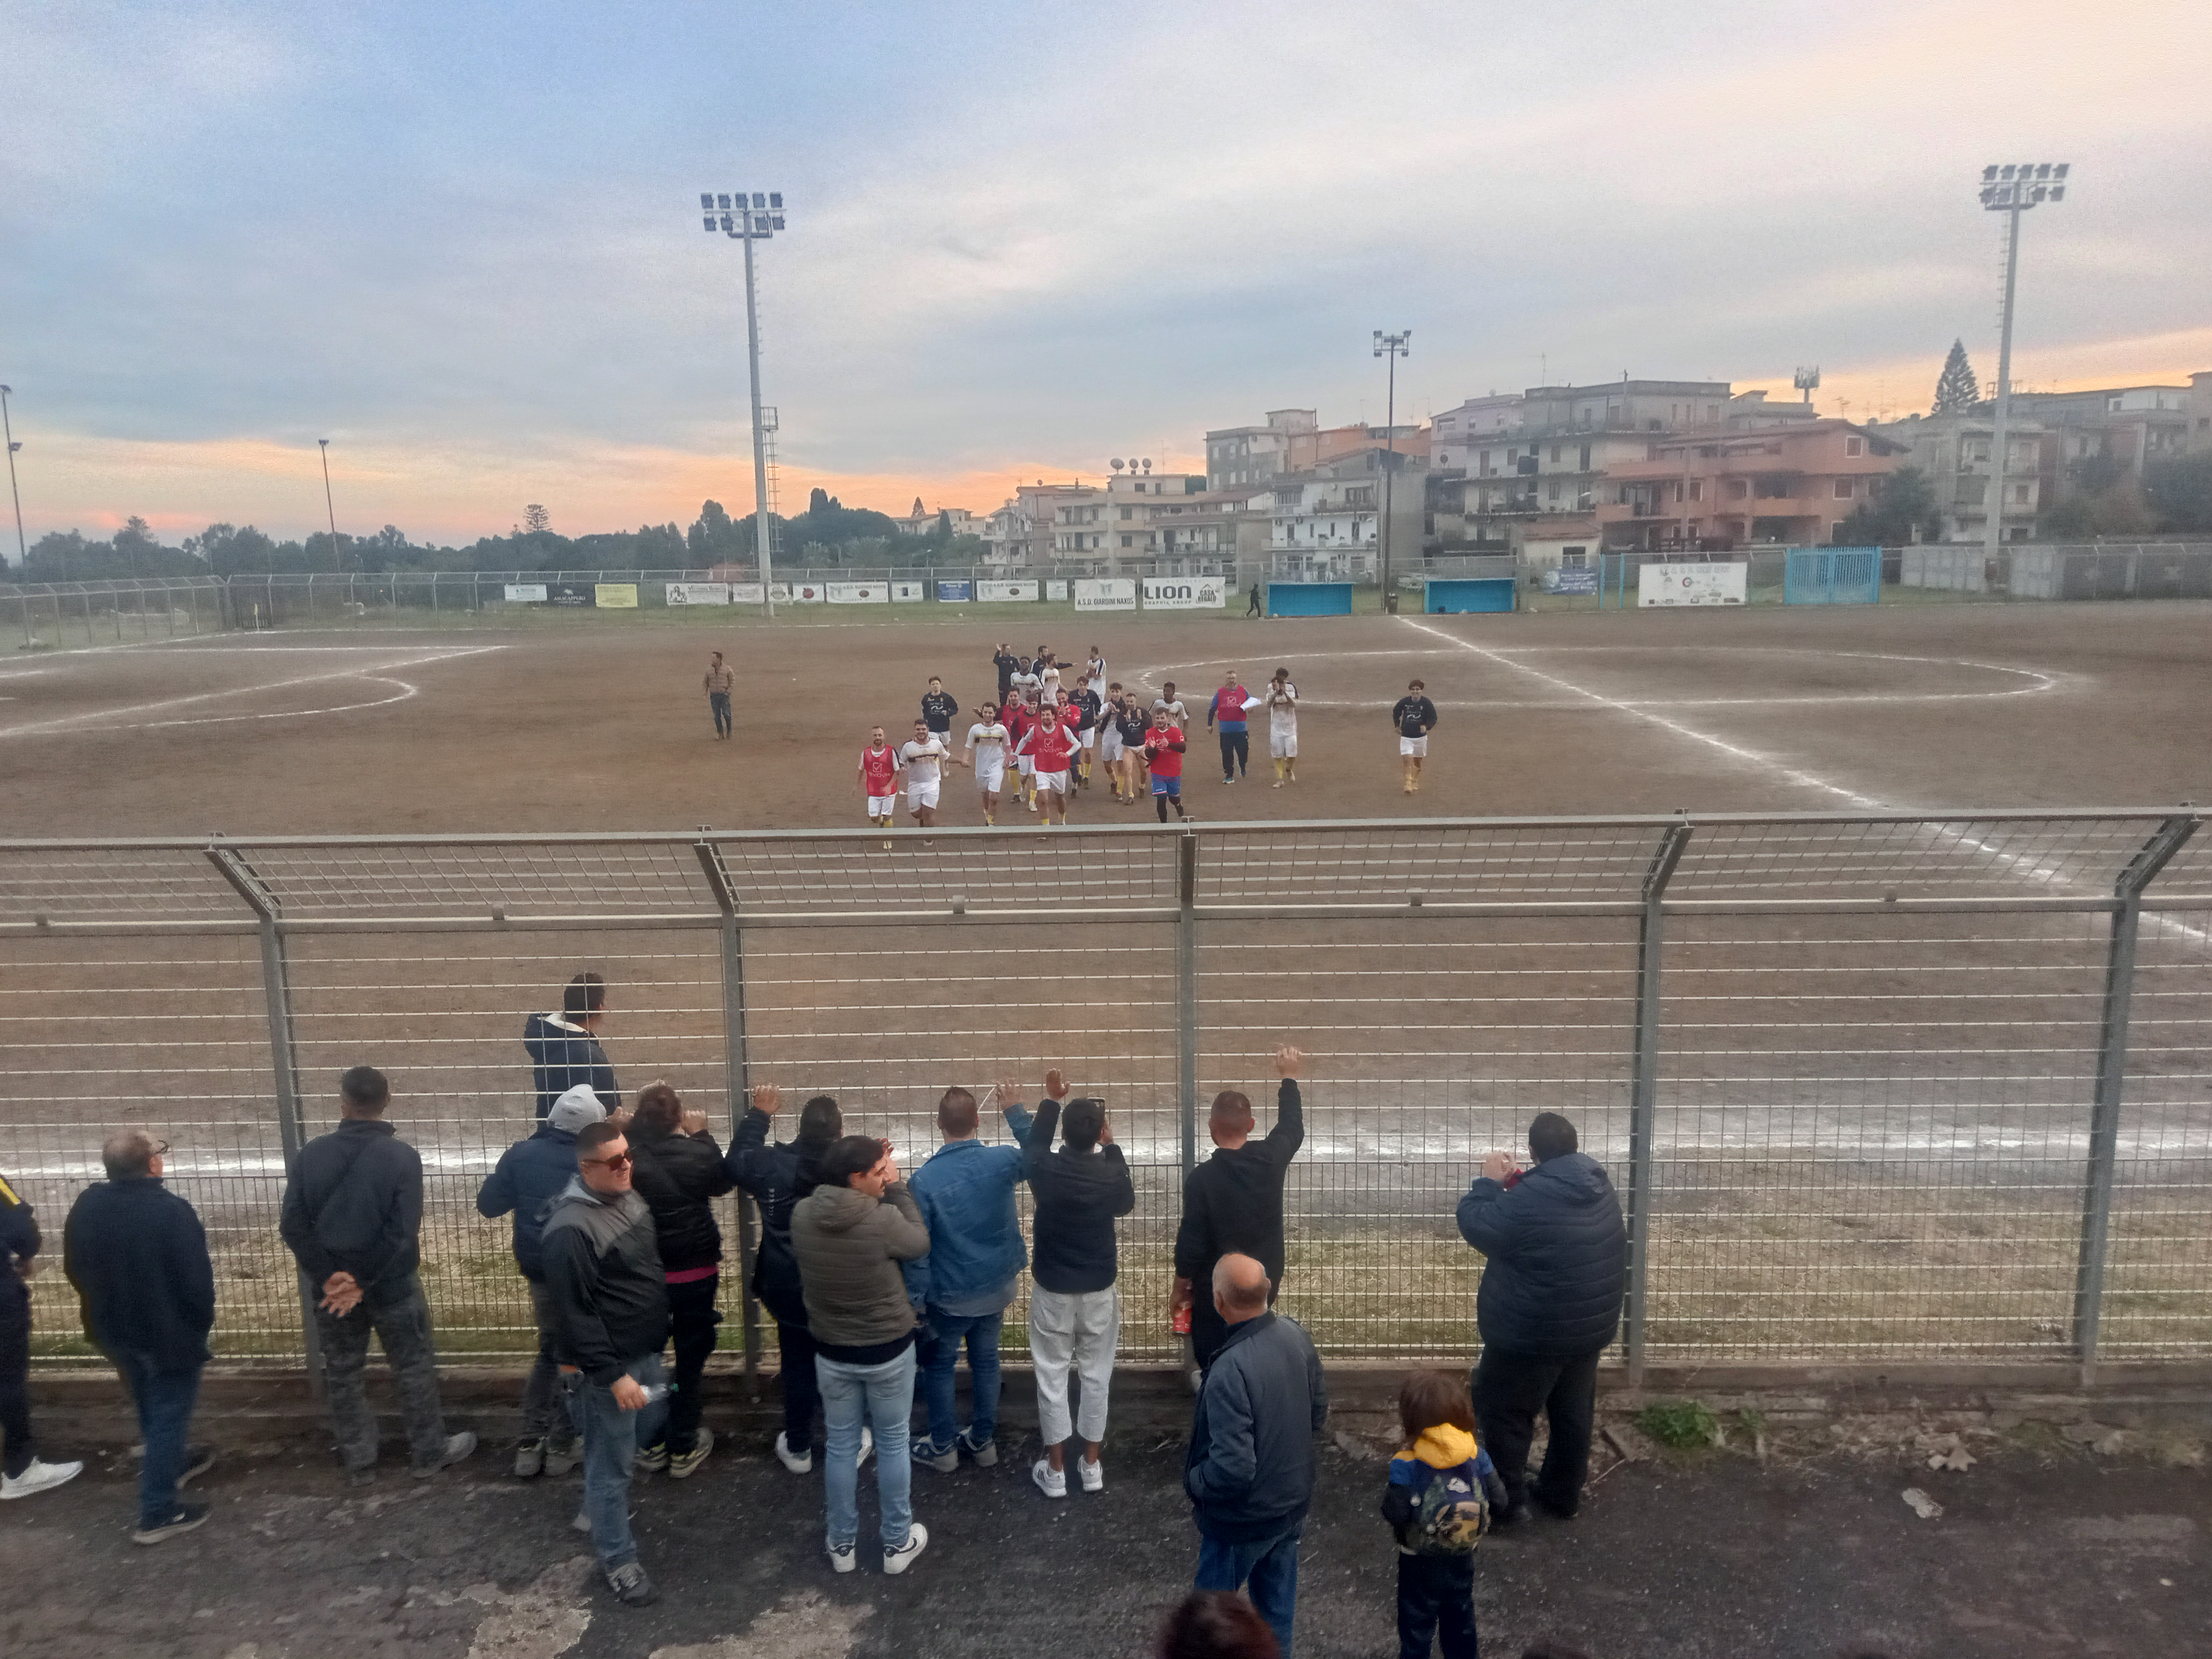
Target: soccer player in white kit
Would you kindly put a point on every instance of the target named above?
(1282, 700)
(924, 758)
(987, 753)
(1094, 673)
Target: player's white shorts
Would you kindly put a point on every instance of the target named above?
(919, 795)
(882, 807)
(1417, 747)
(1111, 749)
(1089, 737)
(1283, 745)
(990, 774)
(1025, 764)
(1055, 781)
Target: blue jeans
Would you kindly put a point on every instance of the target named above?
(165, 1400)
(884, 1395)
(1271, 1564)
(720, 703)
(982, 1334)
(611, 1438)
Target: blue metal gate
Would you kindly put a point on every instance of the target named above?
(1832, 575)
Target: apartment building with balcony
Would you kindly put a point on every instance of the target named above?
(2095, 440)
(1953, 451)
(1791, 485)
(1239, 457)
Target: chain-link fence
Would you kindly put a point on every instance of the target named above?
(1875, 1090)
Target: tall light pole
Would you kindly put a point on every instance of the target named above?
(8, 427)
(1393, 346)
(329, 507)
(758, 222)
(2011, 191)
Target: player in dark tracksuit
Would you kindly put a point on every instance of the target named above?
(938, 709)
(1008, 664)
(1415, 717)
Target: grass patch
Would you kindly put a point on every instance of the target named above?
(1680, 1423)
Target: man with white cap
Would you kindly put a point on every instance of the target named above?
(530, 1176)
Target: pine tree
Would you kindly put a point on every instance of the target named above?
(1956, 389)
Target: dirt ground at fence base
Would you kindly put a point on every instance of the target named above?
(602, 725)
(2041, 1549)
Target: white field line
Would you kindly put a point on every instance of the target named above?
(405, 692)
(95, 717)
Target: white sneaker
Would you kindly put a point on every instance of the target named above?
(867, 1446)
(797, 1462)
(1092, 1474)
(842, 1558)
(1052, 1482)
(38, 1477)
(898, 1560)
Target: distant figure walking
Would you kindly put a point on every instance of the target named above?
(1252, 607)
(721, 681)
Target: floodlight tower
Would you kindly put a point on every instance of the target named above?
(330, 506)
(7, 426)
(1393, 346)
(756, 222)
(2011, 191)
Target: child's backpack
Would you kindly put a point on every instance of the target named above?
(1452, 1514)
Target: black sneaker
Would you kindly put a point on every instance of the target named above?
(631, 1587)
(198, 1459)
(188, 1518)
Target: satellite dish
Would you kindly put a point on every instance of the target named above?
(1148, 463)
(1117, 462)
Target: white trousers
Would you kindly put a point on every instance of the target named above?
(1080, 1331)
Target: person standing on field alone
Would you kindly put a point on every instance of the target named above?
(1233, 1202)
(1415, 717)
(1549, 1305)
(720, 682)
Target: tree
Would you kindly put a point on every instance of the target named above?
(1905, 511)
(1956, 389)
(944, 524)
(536, 521)
(2179, 491)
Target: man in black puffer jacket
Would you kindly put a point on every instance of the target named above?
(678, 1172)
(1549, 1305)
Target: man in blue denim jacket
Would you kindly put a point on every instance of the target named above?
(966, 1194)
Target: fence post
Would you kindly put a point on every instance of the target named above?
(2111, 1076)
(1186, 993)
(1643, 1090)
(737, 1069)
(276, 993)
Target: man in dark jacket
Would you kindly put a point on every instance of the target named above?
(137, 1257)
(1250, 1469)
(1075, 1312)
(678, 1170)
(778, 1174)
(1233, 1202)
(1550, 1303)
(529, 1177)
(611, 1300)
(564, 1048)
(25, 1471)
(352, 1216)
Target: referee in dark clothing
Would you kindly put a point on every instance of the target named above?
(1232, 1204)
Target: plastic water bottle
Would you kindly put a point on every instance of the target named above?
(655, 1393)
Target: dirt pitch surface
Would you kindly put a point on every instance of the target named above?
(603, 724)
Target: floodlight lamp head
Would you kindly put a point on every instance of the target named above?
(1990, 175)
(723, 203)
(775, 200)
(707, 200)
(2059, 171)
(711, 225)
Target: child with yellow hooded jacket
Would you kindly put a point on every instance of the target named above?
(1438, 1502)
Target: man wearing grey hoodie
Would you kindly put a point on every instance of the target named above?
(602, 1261)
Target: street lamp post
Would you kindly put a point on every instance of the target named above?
(1393, 346)
(330, 506)
(758, 222)
(2011, 191)
(8, 427)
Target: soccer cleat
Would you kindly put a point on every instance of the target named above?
(898, 1560)
(38, 1477)
(985, 1454)
(682, 1465)
(1052, 1482)
(631, 1587)
(654, 1458)
(841, 1558)
(800, 1462)
(1092, 1473)
(186, 1517)
(1279, 783)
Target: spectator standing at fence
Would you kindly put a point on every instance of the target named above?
(1549, 1305)
(1227, 711)
(1415, 717)
(24, 1471)
(1438, 1501)
(1075, 1308)
(137, 1257)
(851, 1234)
(352, 1217)
(602, 1266)
(721, 681)
(528, 1175)
(679, 1170)
(965, 1195)
(564, 1047)
(1233, 1202)
(778, 1174)
(1249, 1468)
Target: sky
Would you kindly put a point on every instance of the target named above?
(462, 241)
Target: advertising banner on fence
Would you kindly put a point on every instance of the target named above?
(1691, 584)
(1056, 591)
(615, 596)
(955, 592)
(525, 592)
(1106, 593)
(1006, 592)
(799, 593)
(579, 595)
(1185, 593)
(859, 593)
(698, 592)
(1572, 578)
(906, 592)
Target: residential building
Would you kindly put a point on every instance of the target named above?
(1719, 488)
(1328, 518)
(1953, 451)
(1454, 432)
(2095, 440)
(1308, 450)
(1242, 456)
(922, 520)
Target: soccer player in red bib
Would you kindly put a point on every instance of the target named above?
(878, 773)
(1163, 757)
(1051, 744)
(1017, 716)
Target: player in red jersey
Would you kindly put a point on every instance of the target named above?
(878, 776)
(1052, 745)
(1164, 755)
(1018, 715)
